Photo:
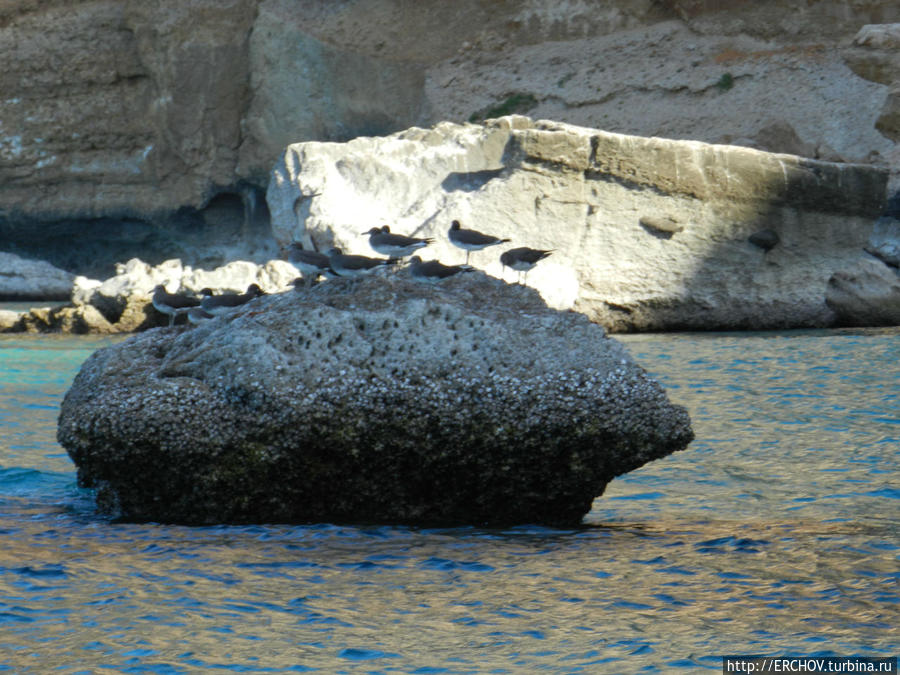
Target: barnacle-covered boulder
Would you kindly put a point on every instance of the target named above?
(382, 399)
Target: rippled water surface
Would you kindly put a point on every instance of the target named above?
(777, 531)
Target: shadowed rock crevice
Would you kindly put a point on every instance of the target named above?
(866, 292)
(469, 181)
(233, 223)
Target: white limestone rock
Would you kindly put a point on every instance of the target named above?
(25, 279)
(866, 294)
(8, 319)
(589, 195)
(135, 280)
(236, 276)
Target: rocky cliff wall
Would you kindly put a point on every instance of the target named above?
(149, 127)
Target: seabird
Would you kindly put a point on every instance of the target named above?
(174, 304)
(471, 240)
(220, 304)
(432, 270)
(354, 265)
(523, 259)
(310, 263)
(383, 241)
(198, 315)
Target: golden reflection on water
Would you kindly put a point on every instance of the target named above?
(776, 532)
(177, 595)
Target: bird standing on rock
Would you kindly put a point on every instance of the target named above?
(432, 270)
(523, 259)
(355, 265)
(174, 304)
(471, 240)
(220, 304)
(310, 263)
(385, 242)
(198, 315)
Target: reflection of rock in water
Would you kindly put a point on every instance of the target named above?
(372, 399)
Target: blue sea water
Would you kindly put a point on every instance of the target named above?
(776, 532)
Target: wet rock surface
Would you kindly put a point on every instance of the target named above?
(373, 400)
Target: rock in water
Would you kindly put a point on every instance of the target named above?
(372, 400)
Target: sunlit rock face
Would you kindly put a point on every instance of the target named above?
(135, 128)
(646, 233)
(383, 399)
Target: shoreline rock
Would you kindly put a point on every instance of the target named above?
(374, 400)
(648, 234)
(24, 279)
(867, 291)
(122, 303)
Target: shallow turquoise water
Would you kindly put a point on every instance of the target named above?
(777, 531)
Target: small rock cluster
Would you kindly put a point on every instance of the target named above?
(372, 400)
(122, 303)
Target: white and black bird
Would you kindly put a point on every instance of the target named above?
(220, 304)
(385, 242)
(432, 270)
(523, 259)
(346, 265)
(310, 263)
(173, 304)
(471, 240)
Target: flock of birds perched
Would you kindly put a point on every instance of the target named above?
(335, 263)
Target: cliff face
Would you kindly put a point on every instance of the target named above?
(150, 126)
(115, 115)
